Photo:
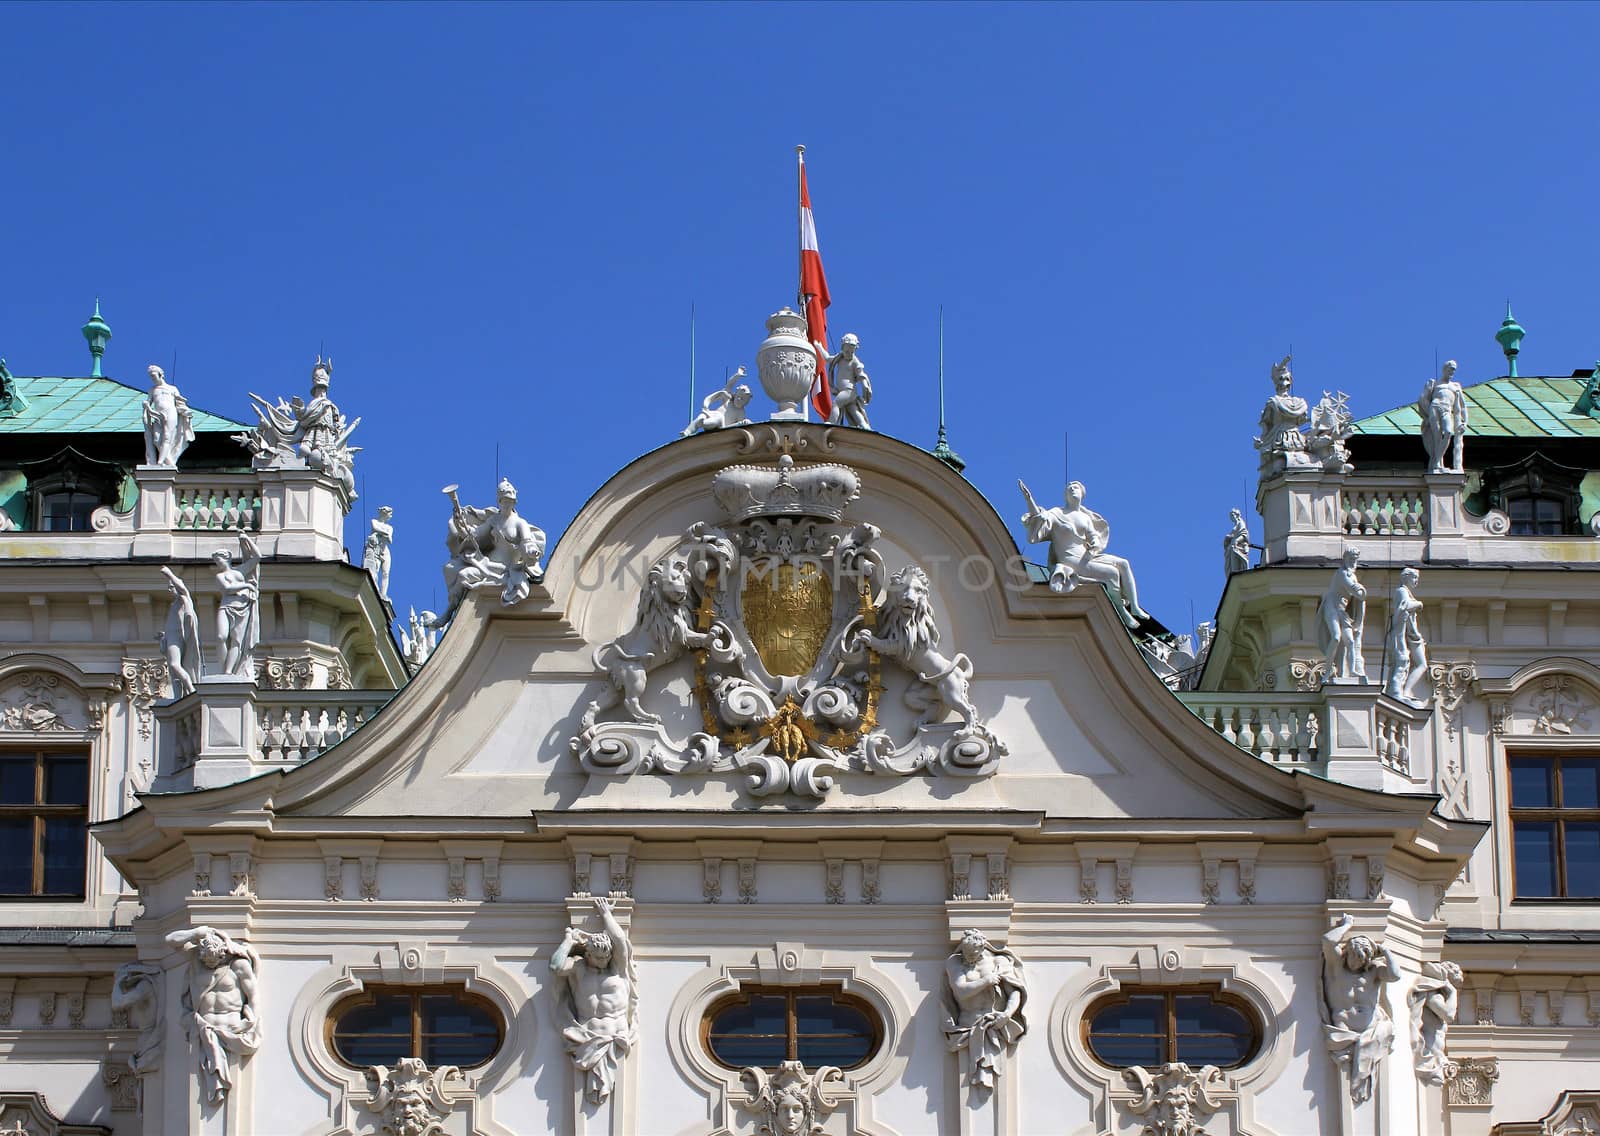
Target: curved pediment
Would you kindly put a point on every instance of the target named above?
(1055, 713)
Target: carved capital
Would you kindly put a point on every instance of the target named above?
(1472, 1083)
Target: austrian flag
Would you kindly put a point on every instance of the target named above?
(814, 295)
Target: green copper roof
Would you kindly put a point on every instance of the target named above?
(91, 406)
(1526, 407)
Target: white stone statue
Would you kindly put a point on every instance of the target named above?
(662, 631)
(1078, 539)
(491, 547)
(313, 435)
(239, 613)
(1297, 436)
(1405, 648)
(1236, 545)
(1359, 1031)
(375, 554)
(1341, 619)
(723, 408)
(168, 422)
(410, 1099)
(1443, 407)
(1433, 1003)
(791, 1101)
(222, 1023)
(848, 381)
(180, 638)
(1282, 443)
(603, 999)
(136, 995)
(910, 636)
(418, 638)
(986, 993)
(1331, 426)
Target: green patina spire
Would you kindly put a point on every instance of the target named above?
(941, 448)
(1510, 337)
(97, 332)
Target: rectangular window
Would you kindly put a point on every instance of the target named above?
(1555, 826)
(44, 823)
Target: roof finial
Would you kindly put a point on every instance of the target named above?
(941, 448)
(97, 332)
(1510, 337)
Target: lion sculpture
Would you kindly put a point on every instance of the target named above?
(663, 631)
(911, 637)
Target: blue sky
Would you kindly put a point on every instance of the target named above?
(496, 218)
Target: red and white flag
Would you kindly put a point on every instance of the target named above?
(814, 295)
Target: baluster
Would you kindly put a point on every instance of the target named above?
(1286, 730)
(186, 510)
(1225, 728)
(1247, 733)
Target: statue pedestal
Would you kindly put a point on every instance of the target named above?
(305, 509)
(1447, 541)
(1367, 738)
(1300, 515)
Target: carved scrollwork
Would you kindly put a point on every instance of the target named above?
(1175, 1100)
(783, 615)
(410, 1099)
(790, 1102)
(37, 704)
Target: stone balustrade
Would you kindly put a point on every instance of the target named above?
(297, 725)
(1286, 729)
(1352, 733)
(288, 512)
(230, 728)
(1416, 518)
(1384, 507)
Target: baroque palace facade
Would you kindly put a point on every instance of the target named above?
(783, 796)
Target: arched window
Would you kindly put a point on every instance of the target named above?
(1151, 1025)
(443, 1025)
(765, 1026)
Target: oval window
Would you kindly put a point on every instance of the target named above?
(443, 1025)
(1151, 1026)
(767, 1026)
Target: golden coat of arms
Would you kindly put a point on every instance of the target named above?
(788, 610)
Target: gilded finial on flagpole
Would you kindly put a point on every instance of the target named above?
(799, 149)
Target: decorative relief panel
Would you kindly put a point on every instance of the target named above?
(789, 615)
(39, 702)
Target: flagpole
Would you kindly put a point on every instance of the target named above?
(800, 230)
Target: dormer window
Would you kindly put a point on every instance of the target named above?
(1537, 516)
(67, 510)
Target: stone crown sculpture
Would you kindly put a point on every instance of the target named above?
(748, 491)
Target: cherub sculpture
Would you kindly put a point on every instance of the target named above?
(722, 408)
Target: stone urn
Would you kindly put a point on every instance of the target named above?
(787, 364)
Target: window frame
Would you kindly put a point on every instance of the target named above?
(369, 994)
(1556, 813)
(40, 811)
(746, 993)
(1171, 995)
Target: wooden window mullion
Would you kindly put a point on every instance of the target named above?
(416, 1025)
(792, 1026)
(38, 824)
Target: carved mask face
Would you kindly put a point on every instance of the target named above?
(791, 1116)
